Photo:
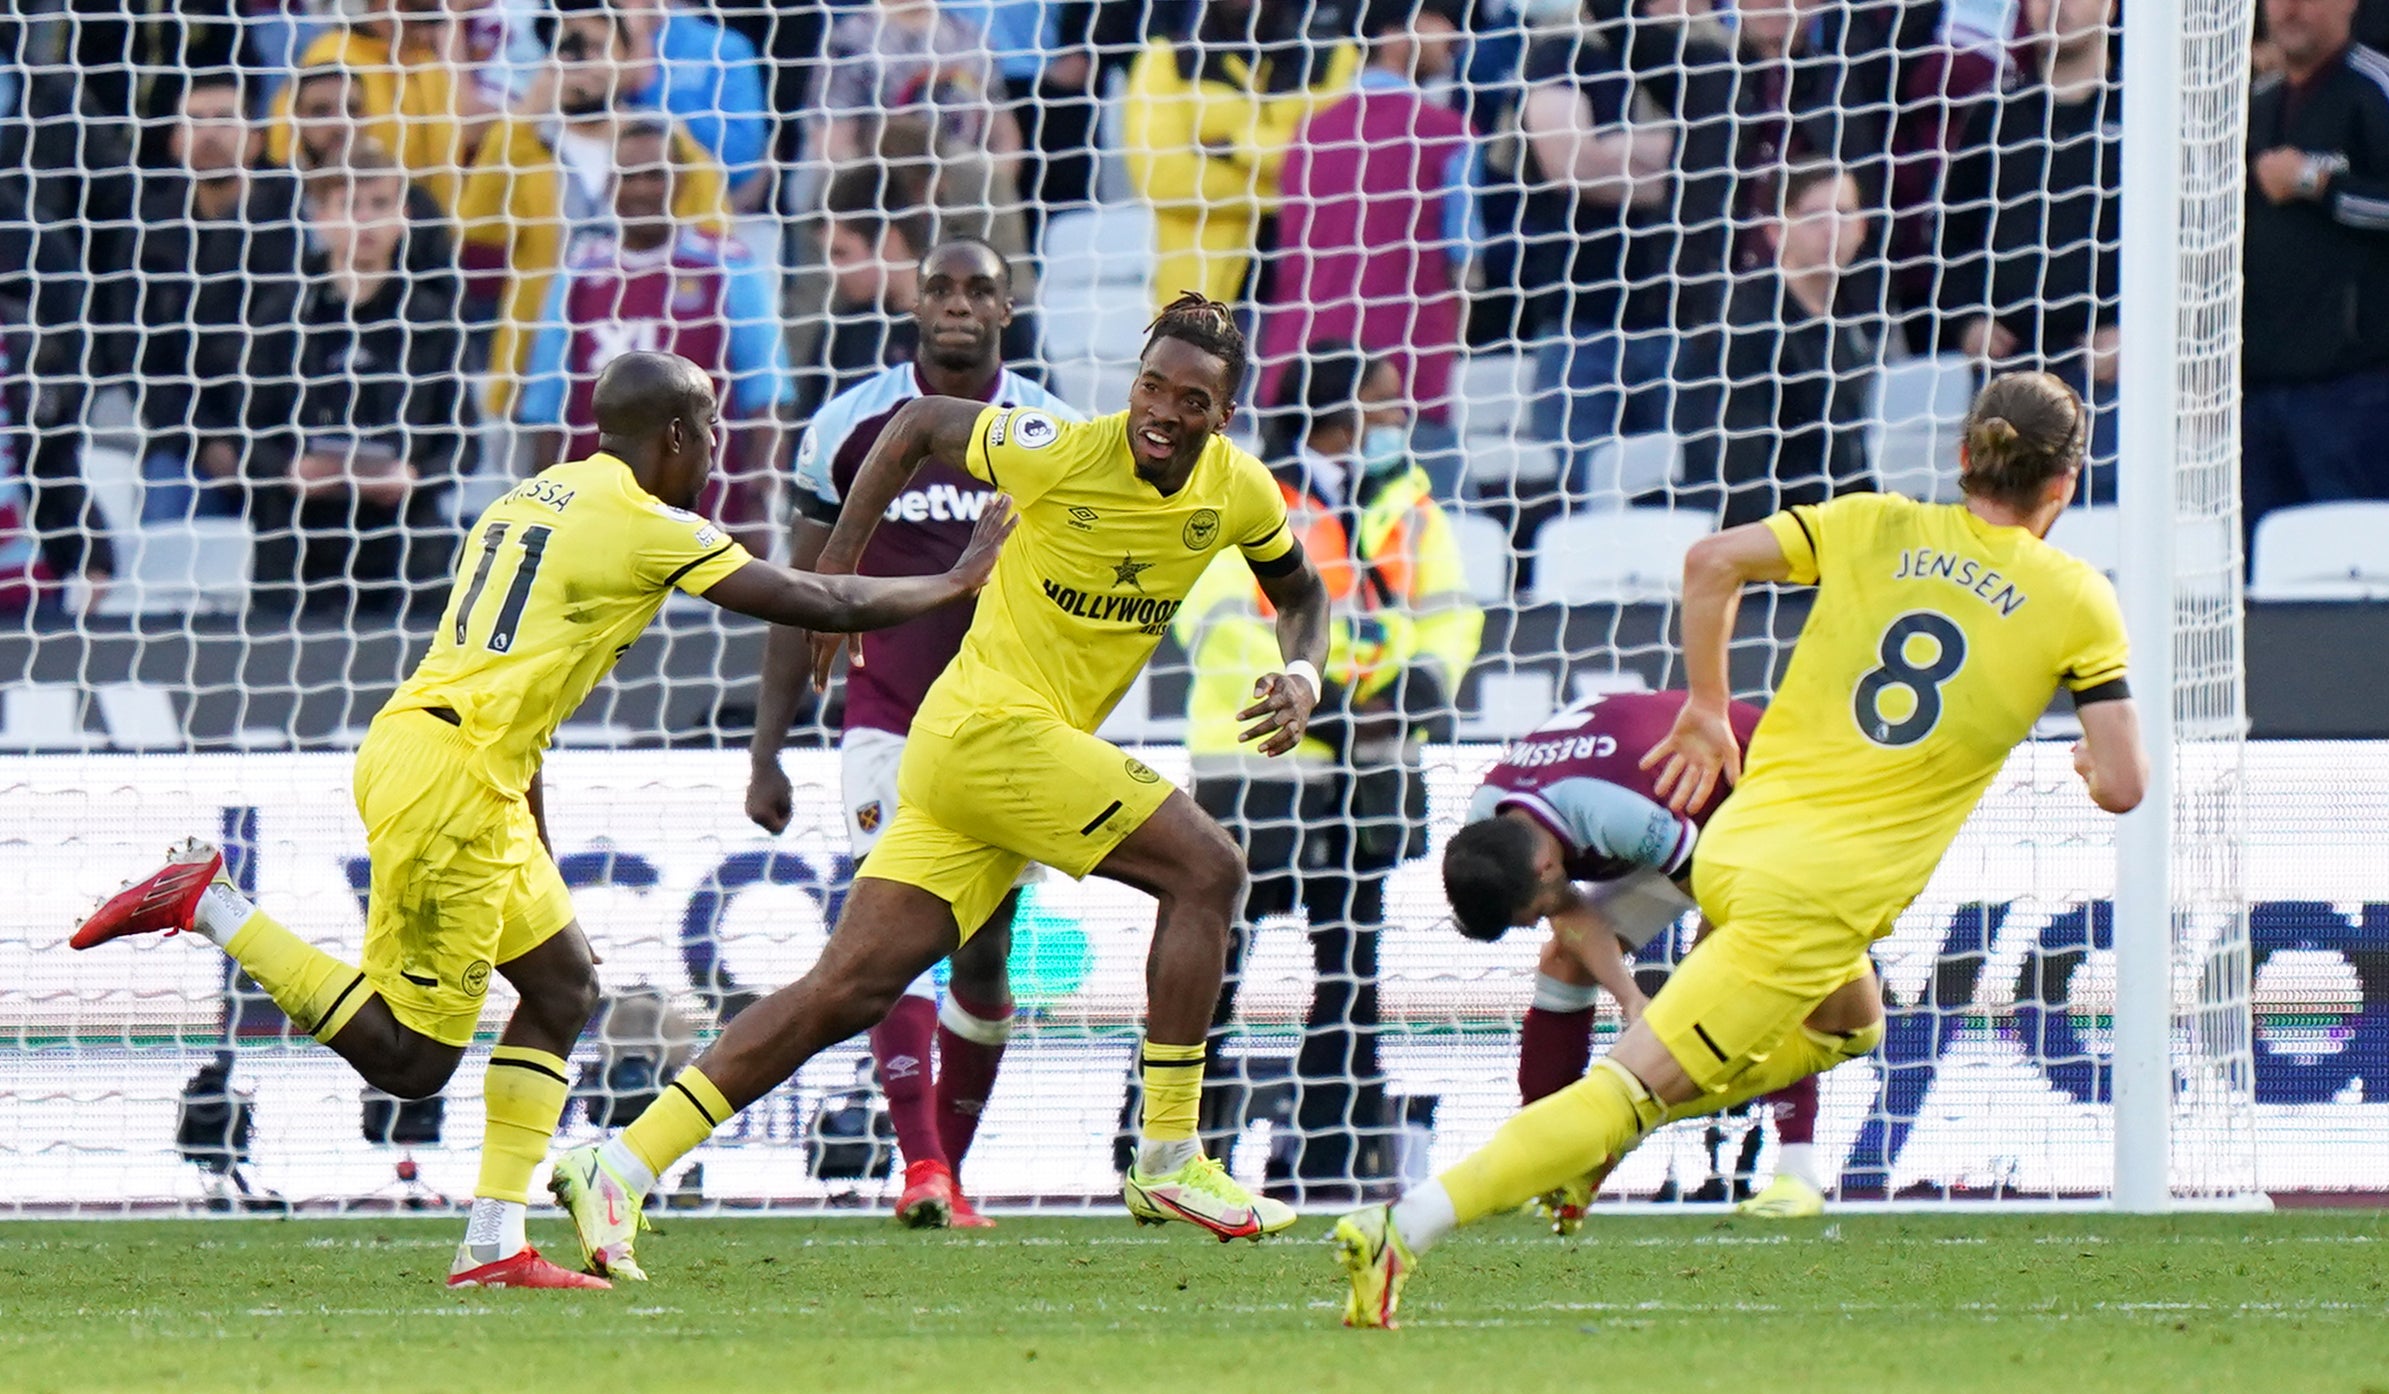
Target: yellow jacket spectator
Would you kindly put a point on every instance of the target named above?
(1405, 626)
(1206, 123)
(538, 181)
(406, 95)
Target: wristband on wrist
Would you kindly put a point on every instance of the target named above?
(1301, 668)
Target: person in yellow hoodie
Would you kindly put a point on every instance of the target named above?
(1321, 839)
(1207, 118)
(542, 176)
(406, 58)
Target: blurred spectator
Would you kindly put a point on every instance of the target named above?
(1680, 259)
(2031, 223)
(710, 79)
(359, 414)
(895, 59)
(1207, 116)
(1044, 51)
(1594, 163)
(1799, 368)
(1816, 84)
(327, 114)
(874, 259)
(542, 182)
(408, 59)
(2316, 316)
(219, 254)
(1323, 829)
(655, 287)
(1362, 223)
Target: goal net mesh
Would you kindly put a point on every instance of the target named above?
(1625, 301)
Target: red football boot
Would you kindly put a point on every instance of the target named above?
(161, 903)
(929, 1197)
(965, 1215)
(523, 1268)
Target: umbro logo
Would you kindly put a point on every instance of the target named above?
(1083, 518)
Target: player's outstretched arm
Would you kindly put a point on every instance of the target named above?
(787, 660)
(846, 604)
(1282, 701)
(2109, 757)
(1701, 749)
(921, 429)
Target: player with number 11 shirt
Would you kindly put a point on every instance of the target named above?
(558, 578)
(1939, 635)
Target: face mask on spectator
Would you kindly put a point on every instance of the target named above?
(1384, 450)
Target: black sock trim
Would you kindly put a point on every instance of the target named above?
(1152, 1064)
(532, 1065)
(334, 1010)
(1710, 1042)
(696, 1103)
(1097, 821)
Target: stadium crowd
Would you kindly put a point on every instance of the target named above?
(345, 260)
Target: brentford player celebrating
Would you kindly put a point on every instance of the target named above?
(1568, 830)
(965, 302)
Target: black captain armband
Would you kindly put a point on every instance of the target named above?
(1286, 565)
(2112, 690)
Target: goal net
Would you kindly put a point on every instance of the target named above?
(1636, 274)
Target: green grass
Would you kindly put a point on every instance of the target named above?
(2282, 1304)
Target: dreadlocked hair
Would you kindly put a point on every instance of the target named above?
(1195, 318)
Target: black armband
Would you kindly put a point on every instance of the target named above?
(1286, 565)
(2112, 690)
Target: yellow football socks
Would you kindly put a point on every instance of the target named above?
(1173, 1081)
(1553, 1141)
(525, 1091)
(681, 1117)
(320, 993)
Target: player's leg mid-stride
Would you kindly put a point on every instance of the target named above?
(889, 932)
(351, 1010)
(1583, 1129)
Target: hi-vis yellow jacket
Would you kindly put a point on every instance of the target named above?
(1400, 596)
(1206, 155)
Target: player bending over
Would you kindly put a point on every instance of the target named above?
(1569, 829)
(556, 580)
(965, 302)
(1119, 517)
(1938, 637)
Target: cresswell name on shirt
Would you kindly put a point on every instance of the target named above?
(1150, 614)
(1967, 574)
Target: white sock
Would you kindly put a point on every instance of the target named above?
(1161, 1158)
(626, 1164)
(1798, 1160)
(221, 913)
(1423, 1215)
(495, 1230)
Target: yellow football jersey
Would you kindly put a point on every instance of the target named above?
(1937, 639)
(556, 579)
(1099, 564)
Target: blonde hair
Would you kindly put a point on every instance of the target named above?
(2024, 430)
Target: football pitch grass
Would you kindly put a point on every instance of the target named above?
(2281, 1304)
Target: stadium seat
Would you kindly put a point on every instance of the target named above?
(1508, 468)
(1494, 389)
(2093, 532)
(1920, 407)
(1631, 466)
(1633, 554)
(1485, 553)
(2322, 551)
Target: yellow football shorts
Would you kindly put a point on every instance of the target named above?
(460, 880)
(1773, 954)
(1009, 788)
